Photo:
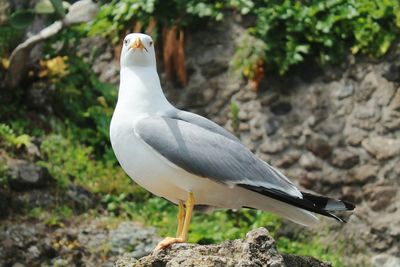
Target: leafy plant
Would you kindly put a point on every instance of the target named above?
(22, 18)
(69, 161)
(9, 139)
(324, 31)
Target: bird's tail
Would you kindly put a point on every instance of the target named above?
(310, 202)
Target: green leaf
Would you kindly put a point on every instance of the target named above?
(44, 7)
(58, 7)
(21, 19)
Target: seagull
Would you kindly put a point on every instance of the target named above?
(190, 160)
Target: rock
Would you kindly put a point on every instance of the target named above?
(257, 249)
(213, 67)
(310, 162)
(345, 91)
(363, 174)
(331, 126)
(385, 260)
(288, 159)
(379, 197)
(352, 194)
(5, 203)
(269, 98)
(367, 87)
(392, 72)
(344, 159)
(273, 146)
(22, 243)
(319, 147)
(130, 236)
(26, 175)
(272, 125)
(82, 198)
(382, 147)
(281, 108)
(355, 137)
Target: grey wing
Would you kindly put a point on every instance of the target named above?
(210, 154)
(200, 121)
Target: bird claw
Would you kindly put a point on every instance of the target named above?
(168, 241)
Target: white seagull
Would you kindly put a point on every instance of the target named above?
(190, 160)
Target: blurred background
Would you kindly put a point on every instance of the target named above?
(310, 86)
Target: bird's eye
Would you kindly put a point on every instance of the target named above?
(151, 43)
(126, 41)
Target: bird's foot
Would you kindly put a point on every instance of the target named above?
(168, 241)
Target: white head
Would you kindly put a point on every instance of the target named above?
(138, 50)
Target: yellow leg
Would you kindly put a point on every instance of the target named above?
(183, 235)
(181, 218)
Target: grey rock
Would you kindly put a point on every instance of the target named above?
(352, 194)
(269, 98)
(319, 147)
(130, 237)
(26, 175)
(281, 108)
(213, 68)
(385, 93)
(367, 87)
(310, 162)
(355, 137)
(379, 197)
(382, 147)
(257, 249)
(272, 125)
(344, 159)
(363, 174)
(392, 72)
(82, 198)
(5, 203)
(345, 91)
(331, 126)
(288, 159)
(385, 260)
(273, 146)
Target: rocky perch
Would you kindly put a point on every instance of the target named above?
(257, 249)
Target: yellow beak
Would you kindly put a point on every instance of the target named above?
(137, 44)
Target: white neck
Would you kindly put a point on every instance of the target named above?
(140, 91)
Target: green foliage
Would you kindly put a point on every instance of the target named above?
(250, 51)
(58, 7)
(116, 16)
(325, 31)
(80, 99)
(8, 37)
(235, 116)
(69, 161)
(53, 217)
(10, 140)
(22, 19)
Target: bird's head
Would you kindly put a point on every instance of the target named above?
(138, 50)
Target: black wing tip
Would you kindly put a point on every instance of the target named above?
(329, 204)
(309, 201)
(348, 205)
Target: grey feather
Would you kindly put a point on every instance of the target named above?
(204, 149)
(198, 120)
